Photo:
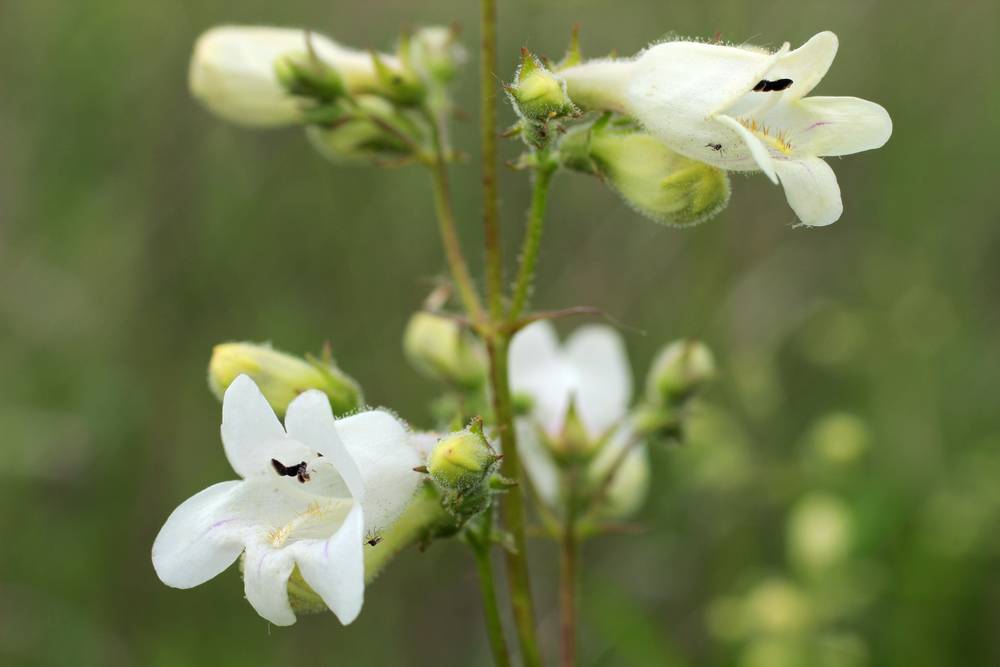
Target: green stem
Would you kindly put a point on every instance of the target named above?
(488, 137)
(512, 504)
(497, 341)
(446, 226)
(532, 239)
(481, 547)
(568, 562)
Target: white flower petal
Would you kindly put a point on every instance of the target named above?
(251, 432)
(603, 385)
(335, 567)
(537, 462)
(832, 125)
(678, 88)
(538, 369)
(232, 73)
(380, 445)
(694, 77)
(201, 538)
(310, 421)
(757, 148)
(805, 66)
(265, 582)
(811, 189)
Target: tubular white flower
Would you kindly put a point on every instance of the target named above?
(743, 109)
(310, 492)
(232, 71)
(590, 371)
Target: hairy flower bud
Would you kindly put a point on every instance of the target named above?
(441, 349)
(681, 369)
(281, 377)
(655, 181)
(538, 93)
(461, 461)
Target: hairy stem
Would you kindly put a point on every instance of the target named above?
(532, 241)
(512, 504)
(481, 547)
(449, 234)
(488, 137)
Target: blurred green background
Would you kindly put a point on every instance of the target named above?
(860, 362)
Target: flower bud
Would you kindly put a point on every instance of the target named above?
(244, 73)
(461, 461)
(281, 377)
(439, 348)
(537, 93)
(680, 370)
(232, 73)
(819, 532)
(360, 135)
(434, 53)
(655, 181)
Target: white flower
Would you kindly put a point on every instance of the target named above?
(590, 371)
(310, 493)
(743, 109)
(232, 71)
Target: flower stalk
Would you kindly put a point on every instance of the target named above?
(532, 236)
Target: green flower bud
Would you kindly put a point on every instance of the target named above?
(680, 370)
(434, 53)
(361, 134)
(439, 348)
(537, 93)
(281, 377)
(306, 75)
(658, 183)
(462, 461)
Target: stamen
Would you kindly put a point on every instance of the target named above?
(778, 142)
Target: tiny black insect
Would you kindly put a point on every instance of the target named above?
(765, 86)
(714, 147)
(298, 470)
(372, 539)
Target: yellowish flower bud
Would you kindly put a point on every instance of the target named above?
(281, 377)
(681, 369)
(441, 349)
(461, 461)
(656, 182)
(538, 93)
